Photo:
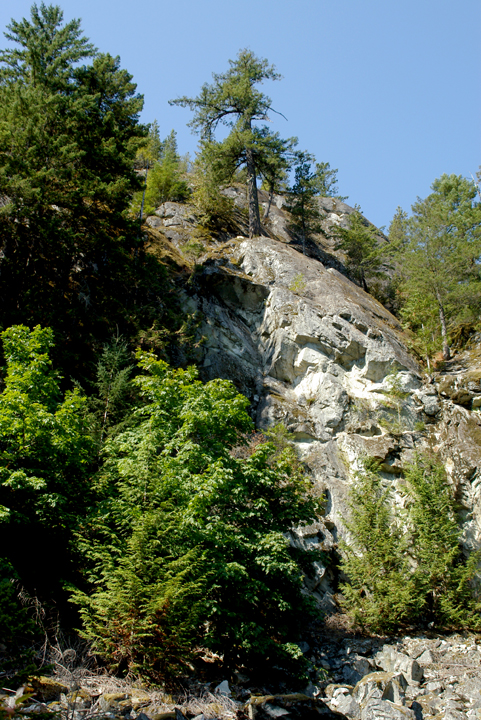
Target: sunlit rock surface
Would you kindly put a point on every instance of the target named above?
(313, 351)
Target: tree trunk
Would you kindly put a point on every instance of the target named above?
(444, 332)
(254, 217)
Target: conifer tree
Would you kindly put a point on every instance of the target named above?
(408, 566)
(361, 243)
(443, 577)
(439, 262)
(325, 180)
(301, 198)
(379, 594)
(233, 100)
(69, 137)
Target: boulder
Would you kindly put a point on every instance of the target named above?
(382, 685)
(392, 661)
(291, 707)
(46, 688)
(377, 709)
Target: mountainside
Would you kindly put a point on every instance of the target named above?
(313, 351)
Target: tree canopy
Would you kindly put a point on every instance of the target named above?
(70, 133)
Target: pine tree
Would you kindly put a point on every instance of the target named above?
(439, 263)
(233, 100)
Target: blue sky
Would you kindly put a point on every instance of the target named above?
(387, 91)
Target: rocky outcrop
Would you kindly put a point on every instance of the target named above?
(313, 351)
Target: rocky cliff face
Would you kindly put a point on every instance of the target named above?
(314, 352)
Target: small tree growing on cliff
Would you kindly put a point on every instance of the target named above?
(440, 256)
(301, 203)
(233, 100)
(379, 593)
(361, 244)
(407, 567)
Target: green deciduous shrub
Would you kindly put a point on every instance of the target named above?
(45, 447)
(188, 546)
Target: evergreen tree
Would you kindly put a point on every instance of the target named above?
(439, 263)
(408, 567)
(274, 158)
(301, 198)
(398, 230)
(47, 51)
(443, 577)
(69, 137)
(151, 150)
(164, 179)
(233, 100)
(365, 255)
(379, 594)
(214, 211)
(325, 180)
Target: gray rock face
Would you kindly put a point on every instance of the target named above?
(392, 661)
(314, 352)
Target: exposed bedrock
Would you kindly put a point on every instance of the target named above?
(313, 351)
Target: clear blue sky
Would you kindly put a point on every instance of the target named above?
(387, 91)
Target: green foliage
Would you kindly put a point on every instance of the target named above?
(406, 567)
(233, 100)
(301, 203)
(440, 247)
(151, 150)
(398, 230)
(46, 457)
(394, 398)
(273, 157)
(71, 258)
(47, 52)
(214, 211)
(443, 577)
(165, 180)
(365, 255)
(325, 180)
(298, 285)
(188, 546)
(379, 594)
(45, 448)
(114, 391)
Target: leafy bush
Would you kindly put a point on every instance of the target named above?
(45, 449)
(188, 546)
